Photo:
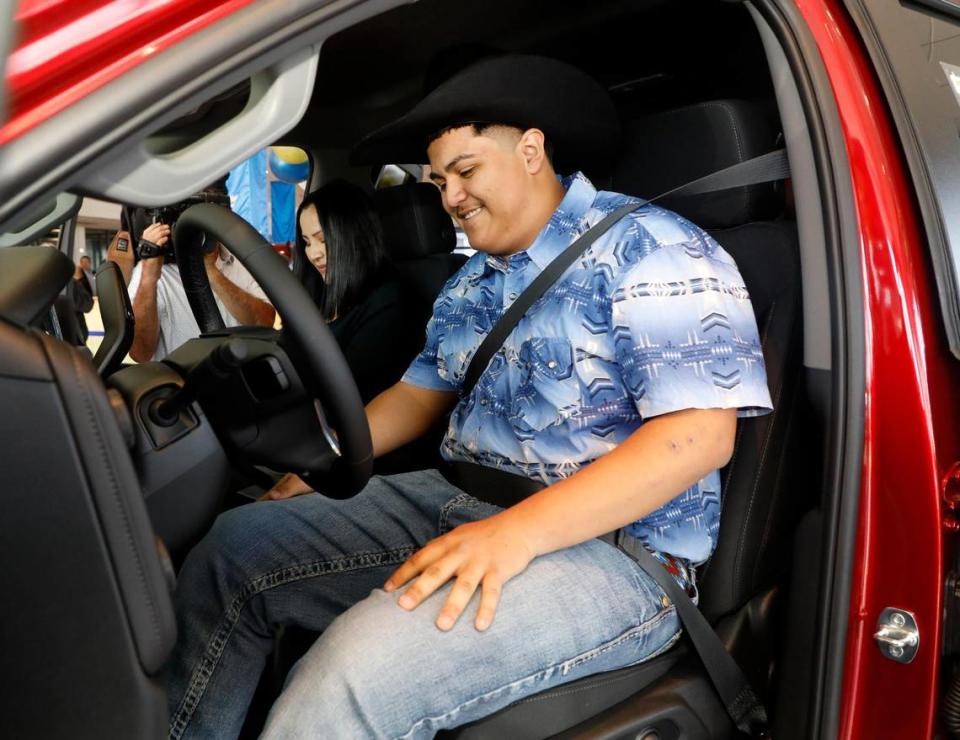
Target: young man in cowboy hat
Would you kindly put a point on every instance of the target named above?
(619, 389)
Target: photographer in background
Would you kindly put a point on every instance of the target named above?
(163, 317)
(82, 289)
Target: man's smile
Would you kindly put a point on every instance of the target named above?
(467, 215)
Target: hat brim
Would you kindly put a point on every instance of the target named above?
(574, 112)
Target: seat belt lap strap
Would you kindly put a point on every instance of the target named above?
(738, 697)
(504, 489)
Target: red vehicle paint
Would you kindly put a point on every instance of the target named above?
(911, 439)
(66, 49)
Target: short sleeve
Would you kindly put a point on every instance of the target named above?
(424, 371)
(685, 335)
(134, 281)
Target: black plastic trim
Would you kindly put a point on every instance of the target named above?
(844, 443)
(118, 319)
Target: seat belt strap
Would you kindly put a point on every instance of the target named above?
(738, 697)
(768, 167)
(550, 274)
(765, 168)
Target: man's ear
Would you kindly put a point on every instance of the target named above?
(532, 148)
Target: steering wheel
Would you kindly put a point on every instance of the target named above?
(329, 393)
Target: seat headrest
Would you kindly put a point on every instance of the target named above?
(414, 222)
(668, 149)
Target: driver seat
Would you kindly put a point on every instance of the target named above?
(670, 695)
(89, 622)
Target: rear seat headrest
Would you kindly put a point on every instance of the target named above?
(414, 222)
(668, 149)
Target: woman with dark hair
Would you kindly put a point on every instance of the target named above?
(340, 259)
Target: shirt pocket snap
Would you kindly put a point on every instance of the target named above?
(549, 391)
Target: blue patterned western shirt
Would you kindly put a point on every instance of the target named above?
(653, 318)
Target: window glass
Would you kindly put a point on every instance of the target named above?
(97, 241)
(392, 175)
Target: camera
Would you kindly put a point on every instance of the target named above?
(140, 218)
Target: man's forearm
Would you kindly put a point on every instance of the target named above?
(146, 332)
(244, 307)
(404, 412)
(655, 464)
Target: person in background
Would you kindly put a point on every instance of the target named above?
(85, 268)
(163, 317)
(341, 260)
(81, 291)
(162, 314)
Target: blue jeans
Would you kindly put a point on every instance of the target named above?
(377, 670)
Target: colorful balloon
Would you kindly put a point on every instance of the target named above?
(288, 172)
(291, 154)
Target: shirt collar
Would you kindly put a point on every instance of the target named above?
(561, 229)
(565, 224)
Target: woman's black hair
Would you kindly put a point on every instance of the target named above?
(354, 243)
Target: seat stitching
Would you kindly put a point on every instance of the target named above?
(107, 467)
(728, 110)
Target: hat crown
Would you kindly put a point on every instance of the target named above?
(525, 91)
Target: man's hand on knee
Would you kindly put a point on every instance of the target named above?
(484, 554)
(288, 486)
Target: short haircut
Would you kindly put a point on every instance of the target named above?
(354, 244)
(479, 127)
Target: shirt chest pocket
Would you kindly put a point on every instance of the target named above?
(549, 390)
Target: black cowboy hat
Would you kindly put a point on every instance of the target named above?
(573, 111)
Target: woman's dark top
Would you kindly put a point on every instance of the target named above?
(381, 336)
